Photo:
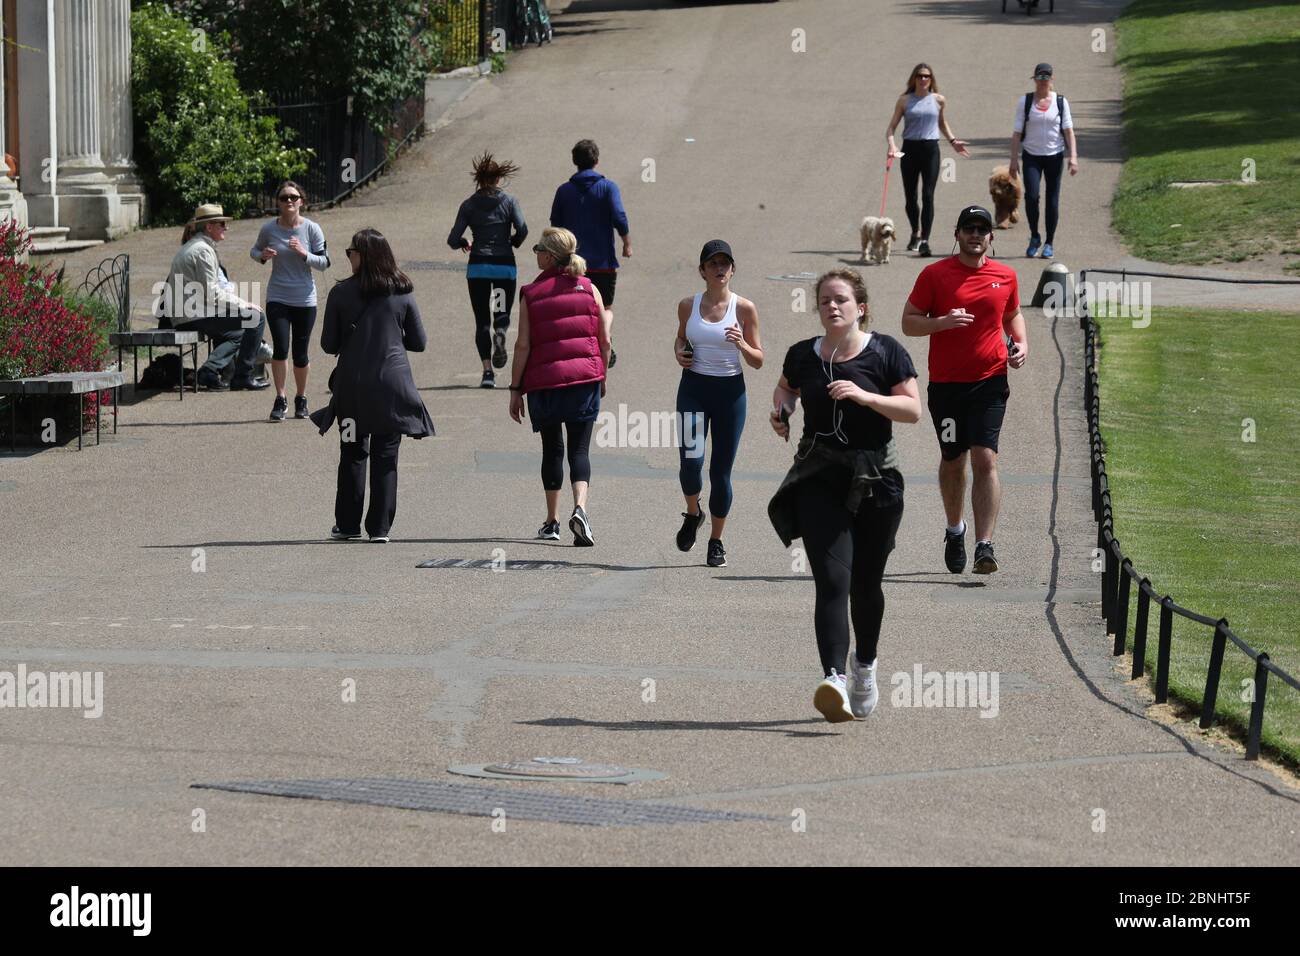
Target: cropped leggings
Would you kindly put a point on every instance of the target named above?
(290, 323)
(710, 403)
(553, 453)
(1038, 168)
(847, 555)
(920, 161)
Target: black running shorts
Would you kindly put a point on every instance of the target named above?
(605, 282)
(968, 413)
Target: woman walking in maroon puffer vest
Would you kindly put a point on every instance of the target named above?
(560, 359)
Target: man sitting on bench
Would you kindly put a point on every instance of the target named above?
(200, 298)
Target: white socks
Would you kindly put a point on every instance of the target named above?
(958, 529)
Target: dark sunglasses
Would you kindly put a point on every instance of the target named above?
(978, 228)
(349, 250)
(289, 198)
(1043, 76)
(924, 76)
(540, 248)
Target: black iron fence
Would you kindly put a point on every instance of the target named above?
(1119, 576)
(347, 150)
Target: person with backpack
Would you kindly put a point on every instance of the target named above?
(371, 322)
(1043, 128)
(497, 225)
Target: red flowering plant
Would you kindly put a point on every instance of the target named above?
(41, 332)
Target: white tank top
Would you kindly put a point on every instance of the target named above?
(714, 355)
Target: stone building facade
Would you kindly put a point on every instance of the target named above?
(65, 91)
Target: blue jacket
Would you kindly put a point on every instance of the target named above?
(590, 207)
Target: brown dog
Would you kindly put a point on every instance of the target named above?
(1006, 193)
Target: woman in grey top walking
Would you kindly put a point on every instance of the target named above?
(294, 245)
(921, 109)
(490, 214)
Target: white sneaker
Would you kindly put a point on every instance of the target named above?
(862, 687)
(832, 699)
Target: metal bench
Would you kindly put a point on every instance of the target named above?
(111, 282)
(63, 383)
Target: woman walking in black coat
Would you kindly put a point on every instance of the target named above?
(371, 322)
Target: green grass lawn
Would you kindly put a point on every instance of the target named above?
(1213, 520)
(1209, 84)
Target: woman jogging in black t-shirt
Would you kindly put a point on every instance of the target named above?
(844, 494)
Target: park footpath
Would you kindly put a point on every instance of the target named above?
(186, 559)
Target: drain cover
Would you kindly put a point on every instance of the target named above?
(483, 801)
(557, 768)
(425, 265)
(490, 563)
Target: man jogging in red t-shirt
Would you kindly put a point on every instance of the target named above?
(968, 303)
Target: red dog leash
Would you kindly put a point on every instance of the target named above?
(889, 164)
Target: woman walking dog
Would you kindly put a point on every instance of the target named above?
(844, 494)
(371, 322)
(715, 329)
(561, 355)
(921, 109)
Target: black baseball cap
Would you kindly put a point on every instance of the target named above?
(974, 214)
(1043, 68)
(713, 247)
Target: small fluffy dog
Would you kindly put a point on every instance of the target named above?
(877, 239)
(1006, 192)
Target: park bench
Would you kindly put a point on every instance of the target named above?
(62, 383)
(111, 282)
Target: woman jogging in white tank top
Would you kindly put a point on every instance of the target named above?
(715, 330)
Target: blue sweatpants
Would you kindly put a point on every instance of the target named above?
(710, 403)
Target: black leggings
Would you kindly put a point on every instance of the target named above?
(848, 557)
(290, 322)
(920, 160)
(1036, 169)
(553, 454)
(480, 298)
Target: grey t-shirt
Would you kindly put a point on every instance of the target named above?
(291, 281)
(921, 117)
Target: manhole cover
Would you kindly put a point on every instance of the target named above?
(491, 563)
(483, 801)
(557, 768)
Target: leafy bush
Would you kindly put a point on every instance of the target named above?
(41, 330)
(198, 139)
(372, 50)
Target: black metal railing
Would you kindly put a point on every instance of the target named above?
(347, 150)
(1120, 576)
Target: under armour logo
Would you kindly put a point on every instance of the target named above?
(997, 285)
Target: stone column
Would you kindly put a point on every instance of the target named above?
(81, 163)
(115, 89)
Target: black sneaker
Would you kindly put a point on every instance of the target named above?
(489, 379)
(690, 524)
(300, 406)
(581, 529)
(338, 535)
(954, 551)
(279, 409)
(498, 349)
(549, 531)
(985, 562)
(717, 554)
(923, 249)
(913, 242)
